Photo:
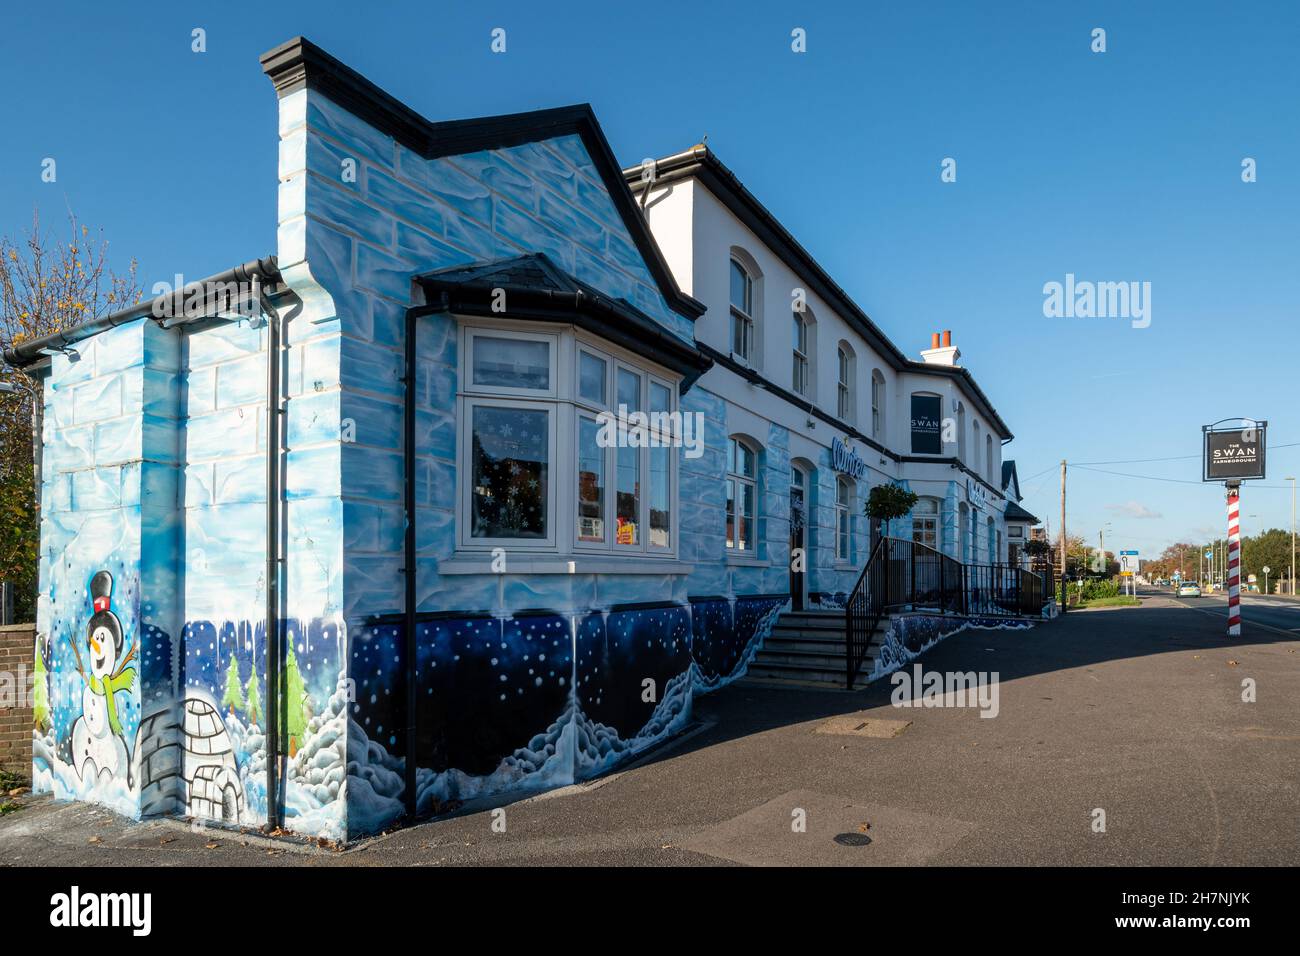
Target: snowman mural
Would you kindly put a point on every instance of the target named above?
(98, 741)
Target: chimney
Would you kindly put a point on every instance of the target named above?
(941, 354)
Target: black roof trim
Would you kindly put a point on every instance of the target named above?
(300, 64)
(1016, 513)
(537, 289)
(701, 163)
(34, 351)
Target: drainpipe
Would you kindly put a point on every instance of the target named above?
(273, 557)
(410, 380)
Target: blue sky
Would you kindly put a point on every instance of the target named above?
(1120, 166)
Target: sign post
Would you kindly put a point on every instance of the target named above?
(1234, 455)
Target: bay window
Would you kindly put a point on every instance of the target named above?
(567, 445)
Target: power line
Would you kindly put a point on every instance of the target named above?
(1140, 461)
(1176, 481)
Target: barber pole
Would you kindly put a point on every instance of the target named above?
(1234, 565)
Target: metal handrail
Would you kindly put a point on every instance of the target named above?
(862, 612)
(903, 573)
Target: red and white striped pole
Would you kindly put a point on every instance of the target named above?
(1234, 564)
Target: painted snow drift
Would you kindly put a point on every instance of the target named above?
(533, 701)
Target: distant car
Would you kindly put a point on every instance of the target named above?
(1189, 589)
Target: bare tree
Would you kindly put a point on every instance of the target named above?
(46, 285)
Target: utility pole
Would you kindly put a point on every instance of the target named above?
(1292, 480)
(1065, 600)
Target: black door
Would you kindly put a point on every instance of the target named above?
(798, 554)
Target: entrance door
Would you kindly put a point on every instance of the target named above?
(799, 556)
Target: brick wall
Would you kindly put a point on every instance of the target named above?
(17, 646)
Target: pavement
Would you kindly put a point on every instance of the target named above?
(1136, 713)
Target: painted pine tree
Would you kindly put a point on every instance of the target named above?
(254, 698)
(295, 693)
(234, 697)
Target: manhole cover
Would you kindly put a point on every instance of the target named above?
(852, 839)
(858, 725)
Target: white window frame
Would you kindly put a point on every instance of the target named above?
(566, 407)
(877, 404)
(464, 420)
(846, 372)
(844, 516)
(740, 480)
(741, 314)
(800, 371)
(927, 516)
(490, 332)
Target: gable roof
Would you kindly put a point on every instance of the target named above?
(700, 162)
(1009, 477)
(537, 289)
(300, 64)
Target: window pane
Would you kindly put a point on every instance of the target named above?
(745, 461)
(747, 500)
(629, 390)
(509, 471)
(731, 513)
(511, 363)
(661, 398)
(591, 377)
(740, 335)
(591, 483)
(627, 499)
(660, 500)
(740, 288)
(842, 494)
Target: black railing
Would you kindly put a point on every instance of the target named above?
(864, 609)
(901, 573)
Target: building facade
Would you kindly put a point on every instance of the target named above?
(473, 487)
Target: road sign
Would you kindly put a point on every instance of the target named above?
(1266, 569)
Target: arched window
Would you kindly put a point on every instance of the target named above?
(744, 310)
(975, 448)
(988, 457)
(992, 543)
(843, 519)
(846, 400)
(877, 405)
(742, 496)
(961, 432)
(803, 348)
(963, 533)
(925, 522)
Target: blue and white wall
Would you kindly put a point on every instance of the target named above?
(524, 680)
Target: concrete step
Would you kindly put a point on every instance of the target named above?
(801, 641)
(817, 673)
(816, 620)
(824, 657)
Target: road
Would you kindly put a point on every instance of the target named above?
(1276, 611)
(1134, 713)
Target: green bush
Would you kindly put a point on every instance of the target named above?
(1092, 590)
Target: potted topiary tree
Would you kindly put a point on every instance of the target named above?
(887, 502)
